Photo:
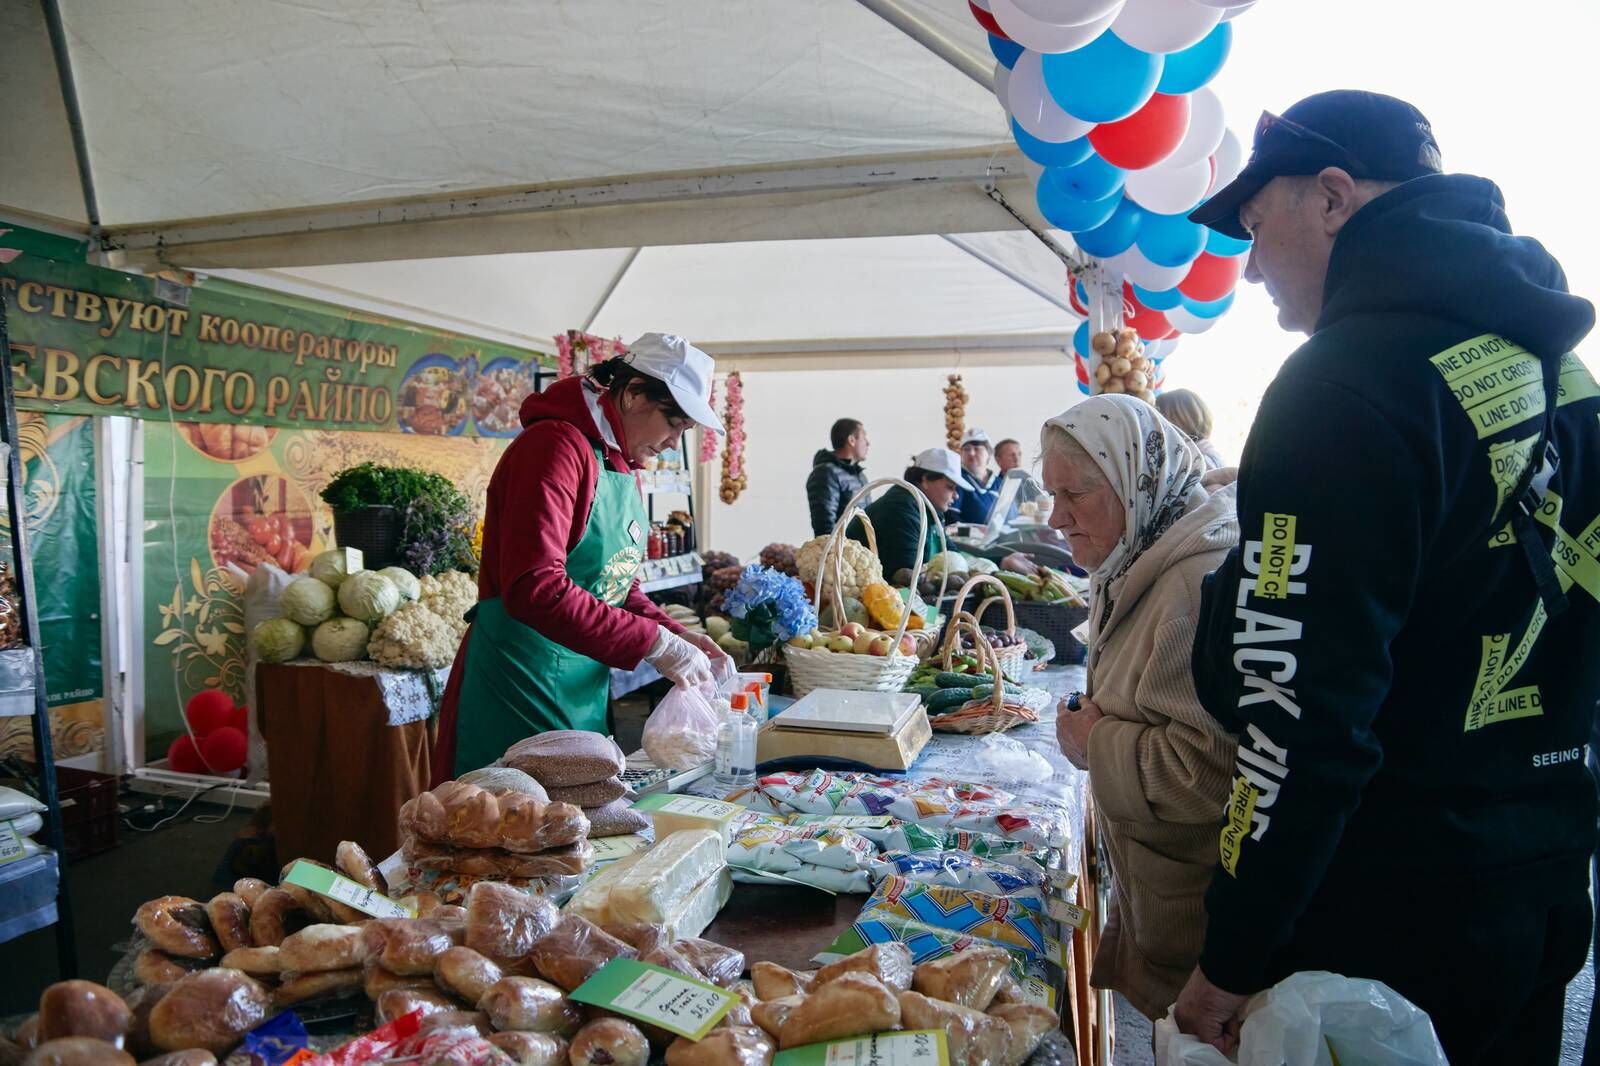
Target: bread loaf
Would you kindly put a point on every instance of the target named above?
(529, 1005)
(971, 1036)
(735, 1045)
(211, 1009)
(497, 862)
(83, 1008)
(532, 1049)
(504, 923)
(77, 1051)
(610, 1042)
(850, 1005)
(562, 758)
(569, 954)
(470, 817)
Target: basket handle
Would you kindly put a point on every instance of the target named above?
(952, 635)
(1011, 614)
(1003, 594)
(986, 655)
(833, 551)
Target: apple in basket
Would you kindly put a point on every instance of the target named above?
(907, 645)
(882, 644)
(841, 643)
(863, 642)
(803, 641)
(852, 630)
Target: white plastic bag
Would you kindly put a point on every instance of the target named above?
(1317, 1019)
(263, 590)
(682, 731)
(1001, 759)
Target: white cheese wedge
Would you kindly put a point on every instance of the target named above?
(700, 909)
(656, 886)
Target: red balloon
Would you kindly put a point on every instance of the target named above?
(986, 20)
(1150, 325)
(207, 710)
(1212, 276)
(183, 758)
(1072, 297)
(1173, 332)
(1145, 137)
(224, 750)
(241, 720)
(1082, 368)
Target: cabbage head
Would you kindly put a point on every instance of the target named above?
(277, 640)
(307, 601)
(340, 640)
(331, 567)
(405, 581)
(368, 597)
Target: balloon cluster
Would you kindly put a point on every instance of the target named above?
(1109, 102)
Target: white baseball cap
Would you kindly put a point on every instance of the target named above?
(975, 436)
(685, 369)
(941, 461)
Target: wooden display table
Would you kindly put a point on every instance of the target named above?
(347, 744)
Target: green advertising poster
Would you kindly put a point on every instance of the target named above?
(87, 340)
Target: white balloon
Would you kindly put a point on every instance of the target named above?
(1224, 4)
(1002, 83)
(1230, 159)
(1034, 108)
(1169, 190)
(1188, 322)
(1045, 36)
(1145, 274)
(1237, 9)
(1164, 25)
(1068, 12)
(984, 4)
(1206, 127)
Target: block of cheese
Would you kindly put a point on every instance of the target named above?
(658, 884)
(676, 814)
(700, 909)
(593, 898)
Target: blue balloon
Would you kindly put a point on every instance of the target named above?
(1080, 339)
(1104, 81)
(1081, 292)
(1092, 179)
(1188, 70)
(1008, 51)
(1083, 387)
(1113, 236)
(1170, 240)
(1218, 243)
(1207, 308)
(1165, 300)
(1051, 153)
(1065, 211)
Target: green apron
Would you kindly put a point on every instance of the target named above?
(518, 682)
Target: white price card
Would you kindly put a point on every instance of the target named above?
(609, 849)
(921, 1047)
(660, 997)
(11, 846)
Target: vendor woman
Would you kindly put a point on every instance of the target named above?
(564, 532)
(894, 517)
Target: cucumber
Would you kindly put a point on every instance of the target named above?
(958, 680)
(947, 700)
(922, 692)
(983, 692)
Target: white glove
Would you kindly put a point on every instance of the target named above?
(679, 661)
(722, 666)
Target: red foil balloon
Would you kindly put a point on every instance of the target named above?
(1145, 137)
(183, 758)
(1212, 277)
(1150, 325)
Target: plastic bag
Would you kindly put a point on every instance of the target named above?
(1002, 759)
(1317, 1019)
(263, 589)
(682, 731)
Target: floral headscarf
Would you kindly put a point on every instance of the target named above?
(1151, 464)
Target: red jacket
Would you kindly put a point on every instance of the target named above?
(537, 511)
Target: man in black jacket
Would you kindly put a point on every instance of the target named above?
(836, 476)
(1407, 640)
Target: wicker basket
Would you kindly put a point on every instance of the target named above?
(374, 530)
(995, 714)
(1010, 658)
(812, 668)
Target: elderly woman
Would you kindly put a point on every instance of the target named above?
(1127, 495)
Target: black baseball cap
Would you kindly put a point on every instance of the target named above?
(1372, 136)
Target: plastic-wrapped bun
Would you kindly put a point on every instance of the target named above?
(736, 1045)
(529, 1005)
(721, 965)
(504, 923)
(969, 978)
(1028, 1023)
(569, 954)
(409, 947)
(610, 1042)
(973, 1037)
(889, 963)
(775, 982)
(83, 1008)
(849, 1006)
(532, 1049)
(178, 925)
(466, 974)
(211, 1009)
(77, 1051)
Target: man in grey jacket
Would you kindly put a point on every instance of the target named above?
(836, 475)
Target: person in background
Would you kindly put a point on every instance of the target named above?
(894, 515)
(980, 485)
(836, 475)
(1127, 495)
(1186, 410)
(1405, 641)
(1008, 455)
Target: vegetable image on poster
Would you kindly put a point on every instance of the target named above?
(433, 396)
(259, 520)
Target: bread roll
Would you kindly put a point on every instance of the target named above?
(772, 1013)
(609, 1042)
(250, 889)
(77, 1051)
(1010, 991)
(211, 1009)
(398, 1002)
(529, 1005)
(257, 962)
(411, 946)
(775, 982)
(230, 920)
(466, 974)
(503, 922)
(177, 925)
(470, 817)
(497, 863)
(973, 1037)
(532, 1049)
(968, 978)
(299, 987)
(141, 1001)
(732, 1046)
(643, 937)
(569, 954)
(723, 966)
(318, 948)
(353, 861)
(1028, 1025)
(190, 1057)
(83, 1008)
(890, 963)
(275, 915)
(375, 981)
(152, 966)
(850, 1005)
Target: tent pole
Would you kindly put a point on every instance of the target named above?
(611, 287)
(933, 39)
(69, 100)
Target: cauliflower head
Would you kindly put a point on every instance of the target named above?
(449, 595)
(413, 638)
(861, 567)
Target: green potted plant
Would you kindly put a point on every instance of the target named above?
(401, 516)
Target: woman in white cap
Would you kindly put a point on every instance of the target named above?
(564, 533)
(937, 472)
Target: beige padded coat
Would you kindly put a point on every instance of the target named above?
(1159, 765)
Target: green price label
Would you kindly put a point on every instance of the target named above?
(325, 882)
(920, 1047)
(660, 997)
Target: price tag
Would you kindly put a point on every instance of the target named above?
(1062, 911)
(326, 882)
(844, 821)
(610, 849)
(660, 997)
(1038, 992)
(693, 806)
(11, 848)
(1061, 880)
(920, 1047)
